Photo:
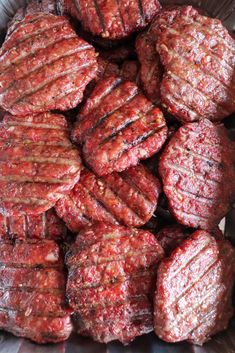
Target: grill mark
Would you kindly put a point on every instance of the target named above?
(191, 195)
(32, 200)
(214, 290)
(202, 23)
(47, 63)
(198, 155)
(34, 266)
(107, 115)
(123, 126)
(202, 248)
(131, 183)
(200, 92)
(83, 215)
(191, 215)
(44, 223)
(44, 160)
(106, 184)
(141, 12)
(21, 58)
(47, 82)
(111, 87)
(113, 259)
(172, 98)
(120, 279)
(32, 179)
(173, 31)
(106, 207)
(39, 143)
(189, 287)
(120, 15)
(26, 223)
(26, 289)
(45, 315)
(204, 70)
(99, 15)
(77, 6)
(32, 35)
(139, 140)
(183, 170)
(8, 225)
(187, 106)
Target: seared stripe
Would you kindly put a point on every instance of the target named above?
(199, 176)
(26, 37)
(200, 44)
(173, 99)
(190, 215)
(99, 15)
(26, 289)
(49, 81)
(191, 195)
(45, 63)
(38, 143)
(34, 315)
(201, 93)
(198, 155)
(199, 67)
(112, 259)
(33, 179)
(36, 126)
(43, 160)
(31, 200)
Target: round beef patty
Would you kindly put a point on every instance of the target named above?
(193, 298)
(112, 270)
(38, 163)
(44, 65)
(118, 126)
(128, 198)
(198, 55)
(112, 19)
(198, 174)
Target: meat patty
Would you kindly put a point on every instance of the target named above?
(193, 299)
(38, 163)
(44, 65)
(32, 7)
(32, 294)
(46, 225)
(118, 126)
(172, 236)
(198, 174)
(198, 55)
(128, 198)
(110, 283)
(150, 65)
(112, 20)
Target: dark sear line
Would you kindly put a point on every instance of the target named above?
(142, 15)
(46, 314)
(32, 35)
(116, 108)
(48, 82)
(193, 195)
(99, 15)
(120, 15)
(116, 258)
(42, 65)
(205, 97)
(25, 289)
(101, 204)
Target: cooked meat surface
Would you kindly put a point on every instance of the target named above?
(150, 65)
(32, 7)
(110, 282)
(128, 198)
(32, 294)
(46, 225)
(193, 299)
(38, 163)
(118, 126)
(198, 55)
(198, 174)
(111, 19)
(172, 236)
(44, 65)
